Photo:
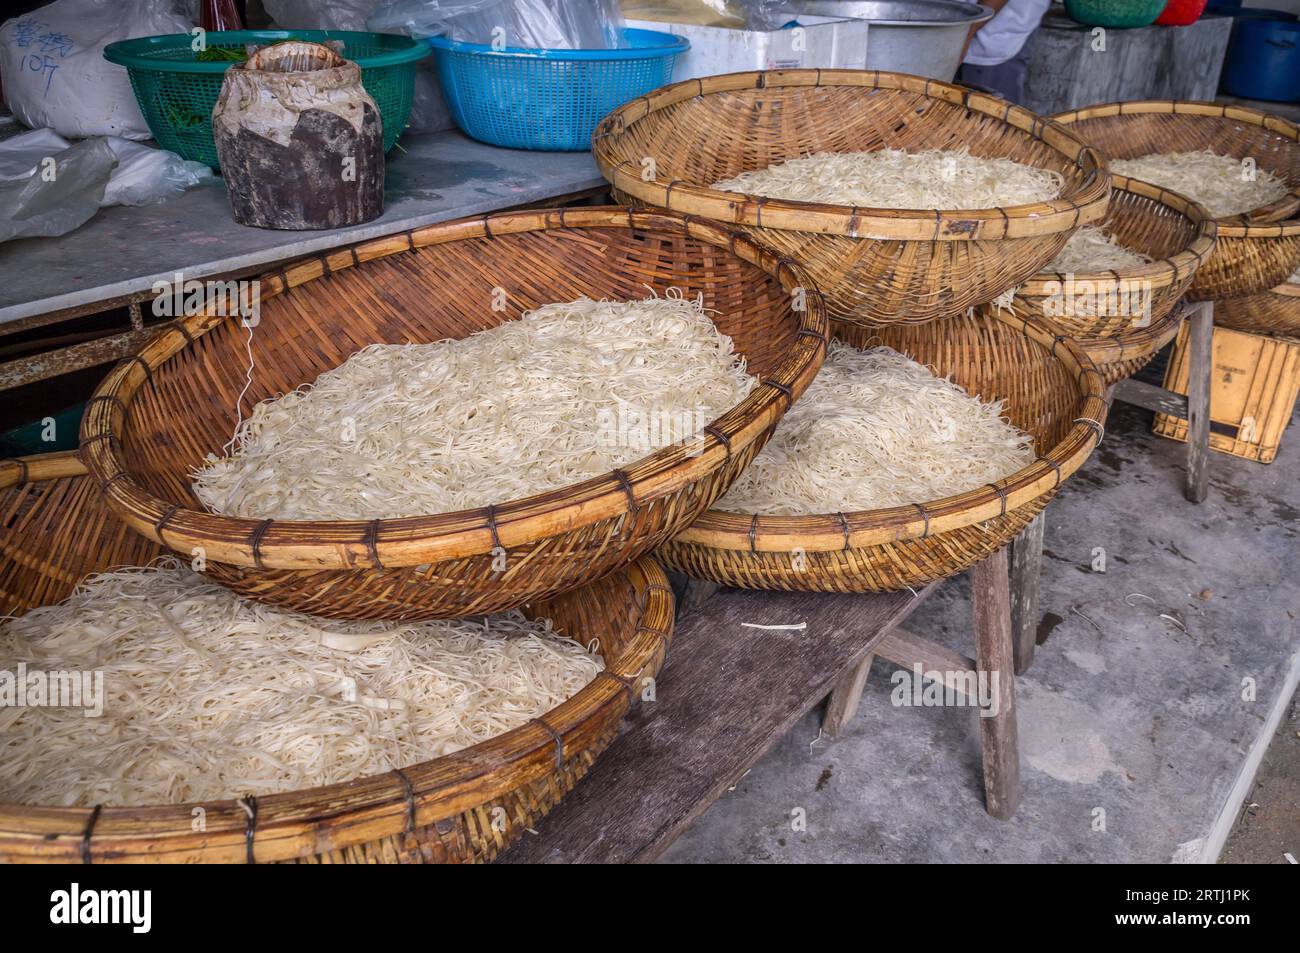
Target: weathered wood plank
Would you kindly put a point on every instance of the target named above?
(842, 704)
(64, 360)
(907, 650)
(1026, 561)
(726, 694)
(1200, 325)
(998, 740)
(1150, 397)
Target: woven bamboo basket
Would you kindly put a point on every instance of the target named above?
(1276, 311)
(464, 807)
(1256, 250)
(1122, 355)
(876, 267)
(1176, 233)
(1053, 393)
(156, 416)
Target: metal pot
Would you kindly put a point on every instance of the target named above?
(923, 37)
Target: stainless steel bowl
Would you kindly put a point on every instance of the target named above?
(924, 37)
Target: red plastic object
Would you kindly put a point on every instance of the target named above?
(1181, 12)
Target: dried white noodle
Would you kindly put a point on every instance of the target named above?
(209, 696)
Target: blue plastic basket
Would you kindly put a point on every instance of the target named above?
(1263, 61)
(549, 99)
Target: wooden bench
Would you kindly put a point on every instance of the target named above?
(743, 669)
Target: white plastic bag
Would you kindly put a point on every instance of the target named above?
(538, 24)
(54, 70)
(146, 176)
(319, 14)
(429, 111)
(58, 197)
(733, 14)
(141, 175)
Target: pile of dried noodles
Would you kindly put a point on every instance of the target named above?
(1223, 184)
(876, 429)
(522, 408)
(1093, 249)
(207, 696)
(893, 178)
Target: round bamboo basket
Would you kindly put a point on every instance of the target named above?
(1052, 392)
(156, 416)
(876, 267)
(1276, 311)
(464, 807)
(1176, 233)
(1256, 250)
(1122, 355)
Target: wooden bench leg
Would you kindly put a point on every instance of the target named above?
(842, 703)
(990, 585)
(1026, 561)
(690, 593)
(1199, 367)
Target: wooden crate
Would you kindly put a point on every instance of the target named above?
(1252, 394)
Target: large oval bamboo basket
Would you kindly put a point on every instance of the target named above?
(1256, 250)
(1276, 311)
(876, 267)
(463, 807)
(1053, 393)
(1122, 355)
(1176, 233)
(156, 416)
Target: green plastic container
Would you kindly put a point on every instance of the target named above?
(1119, 14)
(177, 86)
(30, 438)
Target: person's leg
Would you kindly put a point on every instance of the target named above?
(1005, 79)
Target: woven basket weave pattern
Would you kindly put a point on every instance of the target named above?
(155, 418)
(1276, 311)
(1256, 250)
(1123, 355)
(1051, 391)
(465, 807)
(1178, 235)
(876, 267)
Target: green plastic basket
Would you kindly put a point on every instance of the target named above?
(1117, 14)
(177, 90)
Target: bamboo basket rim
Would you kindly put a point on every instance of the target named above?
(1242, 224)
(827, 532)
(1288, 289)
(1013, 221)
(1134, 342)
(281, 826)
(419, 540)
(1160, 273)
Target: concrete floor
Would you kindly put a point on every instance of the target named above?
(1268, 825)
(1140, 734)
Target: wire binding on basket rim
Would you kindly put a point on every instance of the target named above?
(420, 540)
(829, 532)
(1041, 218)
